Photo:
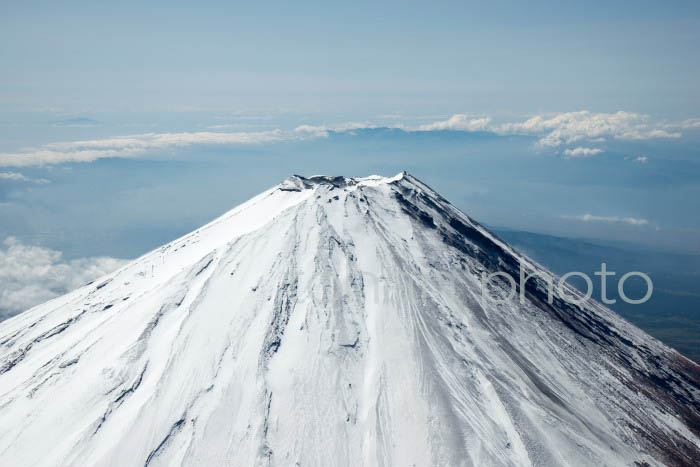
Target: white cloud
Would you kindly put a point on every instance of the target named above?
(559, 129)
(30, 275)
(323, 130)
(608, 219)
(12, 176)
(691, 123)
(641, 159)
(459, 122)
(570, 127)
(135, 146)
(582, 152)
(18, 177)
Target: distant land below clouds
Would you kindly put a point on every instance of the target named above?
(563, 133)
(670, 315)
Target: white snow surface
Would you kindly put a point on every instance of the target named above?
(334, 321)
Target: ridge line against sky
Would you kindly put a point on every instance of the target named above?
(570, 134)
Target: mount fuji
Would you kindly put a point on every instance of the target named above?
(335, 321)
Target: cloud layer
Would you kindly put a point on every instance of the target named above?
(134, 146)
(608, 219)
(571, 127)
(30, 275)
(18, 177)
(582, 152)
(565, 132)
(459, 122)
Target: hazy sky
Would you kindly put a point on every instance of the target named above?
(357, 57)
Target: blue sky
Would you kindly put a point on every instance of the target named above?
(124, 125)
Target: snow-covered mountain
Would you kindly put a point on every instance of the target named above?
(336, 321)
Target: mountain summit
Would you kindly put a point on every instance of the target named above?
(338, 321)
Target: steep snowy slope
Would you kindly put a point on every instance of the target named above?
(336, 322)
